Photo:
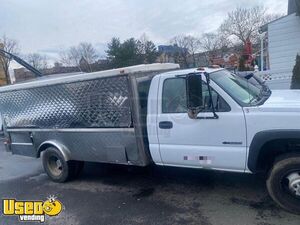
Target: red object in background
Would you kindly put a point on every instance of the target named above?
(248, 51)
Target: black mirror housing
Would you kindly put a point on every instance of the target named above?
(194, 94)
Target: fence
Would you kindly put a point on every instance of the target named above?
(275, 79)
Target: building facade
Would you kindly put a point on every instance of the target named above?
(283, 39)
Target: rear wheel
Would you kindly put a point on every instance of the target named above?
(284, 183)
(57, 168)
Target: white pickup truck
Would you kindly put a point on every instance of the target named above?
(204, 118)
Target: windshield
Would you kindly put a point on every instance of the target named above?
(240, 89)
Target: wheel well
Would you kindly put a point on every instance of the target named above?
(63, 150)
(42, 148)
(273, 149)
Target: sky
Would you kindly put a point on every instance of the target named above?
(50, 26)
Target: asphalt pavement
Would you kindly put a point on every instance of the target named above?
(105, 194)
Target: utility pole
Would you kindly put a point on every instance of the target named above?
(262, 36)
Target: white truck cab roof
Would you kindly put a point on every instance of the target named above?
(193, 70)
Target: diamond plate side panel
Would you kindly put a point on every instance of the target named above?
(96, 103)
(113, 146)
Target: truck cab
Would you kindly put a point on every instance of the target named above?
(178, 140)
(223, 142)
(238, 127)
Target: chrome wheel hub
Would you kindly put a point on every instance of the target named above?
(58, 164)
(294, 183)
(55, 165)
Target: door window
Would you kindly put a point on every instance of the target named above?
(174, 97)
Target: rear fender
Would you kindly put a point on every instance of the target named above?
(52, 143)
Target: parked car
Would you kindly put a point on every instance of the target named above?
(204, 118)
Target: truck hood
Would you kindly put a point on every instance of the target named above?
(283, 100)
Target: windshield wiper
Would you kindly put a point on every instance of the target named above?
(251, 101)
(264, 93)
(21, 62)
(249, 76)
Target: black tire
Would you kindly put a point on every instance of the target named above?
(79, 168)
(57, 168)
(278, 183)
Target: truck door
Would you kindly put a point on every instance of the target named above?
(204, 143)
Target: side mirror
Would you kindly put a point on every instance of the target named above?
(194, 95)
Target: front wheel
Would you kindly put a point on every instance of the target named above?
(57, 168)
(284, 183)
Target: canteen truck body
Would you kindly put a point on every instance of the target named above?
(203, 118)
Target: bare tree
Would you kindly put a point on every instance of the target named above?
(181, 54)
(142, 42)
(38, 61)
(194, 46)
(88, 54)
(210, 41)
(214, 43)
(187, 46)
(146, 49)
(71, 57)
(11, 46)
(244, 23)
(81, 56)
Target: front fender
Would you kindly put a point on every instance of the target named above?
(263, 137)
